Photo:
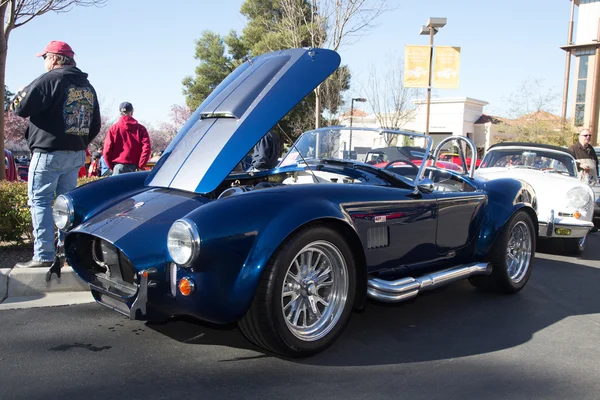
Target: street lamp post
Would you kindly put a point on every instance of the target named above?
(359, 100)
(432, 27)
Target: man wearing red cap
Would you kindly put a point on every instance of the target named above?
(64, 117)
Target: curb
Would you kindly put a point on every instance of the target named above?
(4, 283)
(30, 283)
(53, 299)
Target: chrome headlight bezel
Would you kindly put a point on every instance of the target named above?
(183, 230)
(63, 212)
(579, 197)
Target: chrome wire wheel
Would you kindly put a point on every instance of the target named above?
(518, 251)
(315, 291)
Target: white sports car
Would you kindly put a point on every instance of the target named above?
(565, 205)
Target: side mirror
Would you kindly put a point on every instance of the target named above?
(426, 185)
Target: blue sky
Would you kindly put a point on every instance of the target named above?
(140, 50)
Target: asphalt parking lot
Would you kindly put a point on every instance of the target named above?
(454, 343)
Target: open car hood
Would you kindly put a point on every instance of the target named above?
(237, 114)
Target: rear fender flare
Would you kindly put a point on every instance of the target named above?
(505, 198)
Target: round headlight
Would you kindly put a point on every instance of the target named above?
(183, 242)
(63, 212)
(578, 197)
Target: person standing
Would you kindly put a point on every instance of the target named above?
(586, 157)
(104, 170)
(94, 169)
(64, 117)
(127, 144)
(266, 152)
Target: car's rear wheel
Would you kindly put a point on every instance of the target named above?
(305, 296)
(511, 257)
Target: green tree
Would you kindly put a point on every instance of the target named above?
(214, 66)
(268, 29)
(8, 95)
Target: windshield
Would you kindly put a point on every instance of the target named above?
(533, 158)
(395, 151)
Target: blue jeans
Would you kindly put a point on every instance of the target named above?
(124, 168)
(49, 174)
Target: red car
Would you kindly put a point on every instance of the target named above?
(403, 157)
(455, 159)
(11, 166)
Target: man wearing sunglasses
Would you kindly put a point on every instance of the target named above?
(587, 160)
(64, 117)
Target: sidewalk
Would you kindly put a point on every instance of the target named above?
(27, 287)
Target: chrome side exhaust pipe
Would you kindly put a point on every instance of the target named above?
(407, 288)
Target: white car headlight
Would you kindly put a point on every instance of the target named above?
(63, 212)
(578, 197)
(183, 242)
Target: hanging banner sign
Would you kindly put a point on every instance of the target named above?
(416, 66)
(446, 66)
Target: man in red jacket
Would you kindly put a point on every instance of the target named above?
(127, 144)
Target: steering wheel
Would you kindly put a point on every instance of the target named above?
(391, 163)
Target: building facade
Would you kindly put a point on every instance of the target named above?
(460, 116)
(583, 48)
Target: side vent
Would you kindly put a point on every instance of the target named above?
(378, 237)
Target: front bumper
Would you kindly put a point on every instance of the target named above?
(118, 300)
(554, 229)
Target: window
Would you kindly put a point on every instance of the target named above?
(581, 90)
(583, 67)
(579, 113)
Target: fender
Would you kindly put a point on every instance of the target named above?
(237, 248)
(93, 197)
(505, 197)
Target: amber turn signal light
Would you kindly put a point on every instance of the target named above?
(186, 286)
(577, 214)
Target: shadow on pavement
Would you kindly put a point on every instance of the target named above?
(456, 321)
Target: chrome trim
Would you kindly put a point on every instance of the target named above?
(173, 279)
(407, 288)
(463, 159)
(550, 227)
(191, 226)
(315, 291)
(71, 211)
(576, 230)
(142, 298)
(518, 251)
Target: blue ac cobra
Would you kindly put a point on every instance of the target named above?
(288, 253)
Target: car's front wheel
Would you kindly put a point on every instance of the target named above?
(511, 257)
(305, 296)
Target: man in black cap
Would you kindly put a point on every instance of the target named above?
(127, 144)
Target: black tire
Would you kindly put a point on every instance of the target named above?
(574, 247)
(501, 280)
(265, 323)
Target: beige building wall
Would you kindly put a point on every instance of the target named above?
(448, 116)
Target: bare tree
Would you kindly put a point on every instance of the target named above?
(389, 99)
(16, 13)
(531, 108)
(531, 96)
(330, 24)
